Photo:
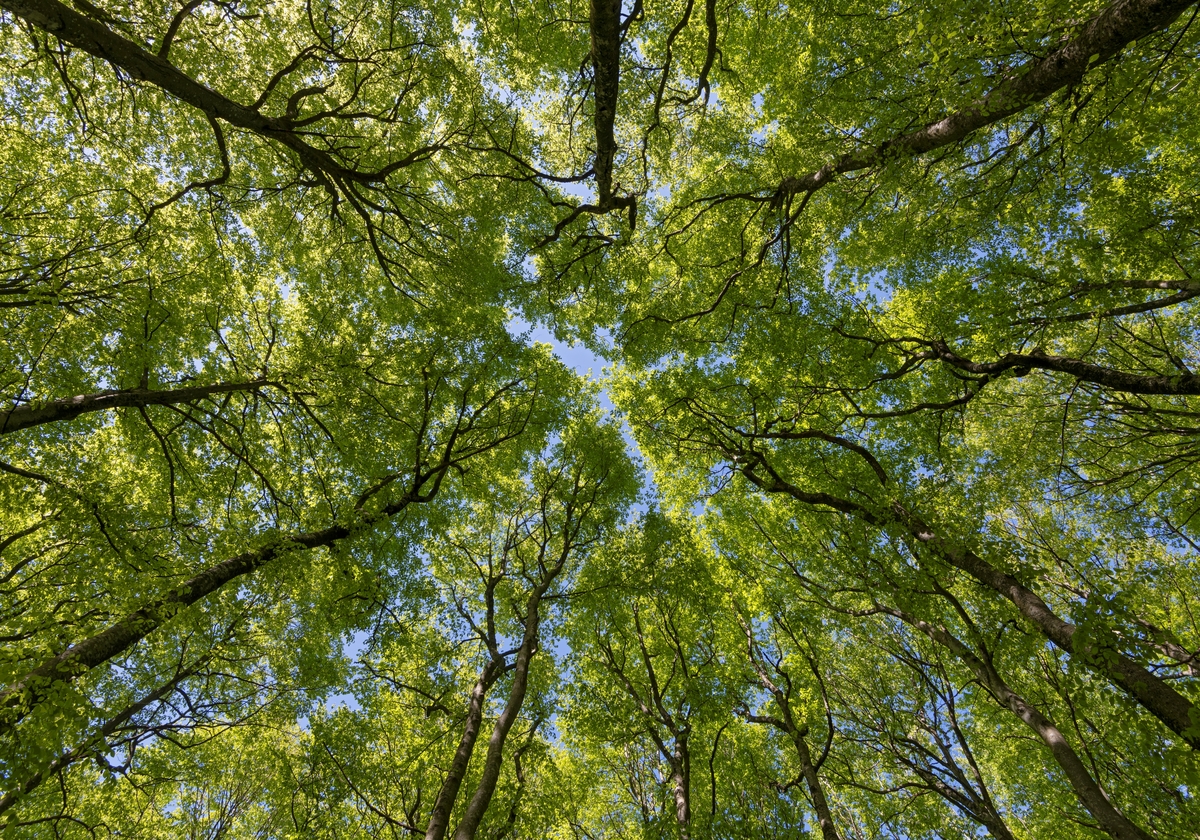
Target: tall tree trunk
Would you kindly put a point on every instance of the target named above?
(681, 778)
(798, 735)
(605, 25)
(996, 826)
(439, 818)
(815, 791)
(486, 788)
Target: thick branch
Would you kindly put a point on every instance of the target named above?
(1182, 384)
(1099, 40)
(1116, 311)
(38, 684)
(1101, 655)
(68, 408)
(95, 38)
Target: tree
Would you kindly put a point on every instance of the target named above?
(899, 305)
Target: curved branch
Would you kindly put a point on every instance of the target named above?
(98, 740)
(809, 434)
(177, 21)
(1116, 311)
(1100, 655)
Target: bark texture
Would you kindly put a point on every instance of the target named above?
(439, 818)
(1102, 655)
(486, 788)
(1181, 384)
(681, 778)
(606, 78)
(816, 791)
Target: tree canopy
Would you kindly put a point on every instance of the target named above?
(882, 520)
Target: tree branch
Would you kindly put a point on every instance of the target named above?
(68, 408)
(1098, 41)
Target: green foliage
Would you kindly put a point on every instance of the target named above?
(890, 526)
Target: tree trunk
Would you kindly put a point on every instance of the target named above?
(681, 777)
(486, 788)
(815, 791)
(439, 819)
(605, 25)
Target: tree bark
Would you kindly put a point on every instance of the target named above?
(68, 408)
(808, 769)
(681, 776)
(486, 788)
(605, 21)
(1102, 656)
(982, 812)
(678, 756)
(1099, 40)
(815, 790)
(798, 734)
(1112, 821)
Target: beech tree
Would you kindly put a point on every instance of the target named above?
(888, 526)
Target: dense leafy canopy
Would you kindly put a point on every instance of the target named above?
(892, 528)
